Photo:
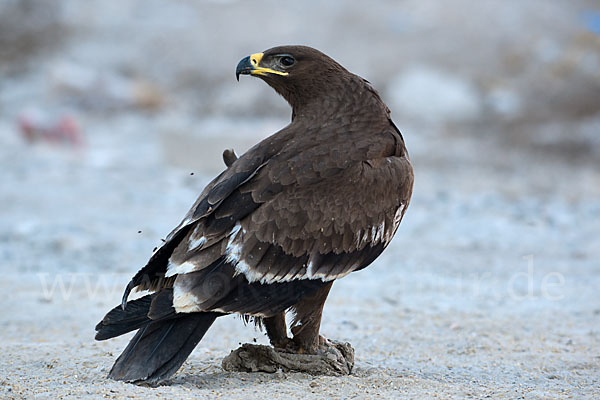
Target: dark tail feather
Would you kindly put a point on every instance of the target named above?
(160, 347)
(119, 321)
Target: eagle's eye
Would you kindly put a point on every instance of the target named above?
(287, 61)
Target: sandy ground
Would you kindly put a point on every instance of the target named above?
(490, 287)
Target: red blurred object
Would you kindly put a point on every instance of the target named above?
(64, 131)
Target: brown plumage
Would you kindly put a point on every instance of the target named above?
(315, 201)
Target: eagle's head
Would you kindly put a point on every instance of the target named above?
(300, 74)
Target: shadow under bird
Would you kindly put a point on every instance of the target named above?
(315, 201)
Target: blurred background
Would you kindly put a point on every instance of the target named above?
(113, 116)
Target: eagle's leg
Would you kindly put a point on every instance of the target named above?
(308, 321)
(306, 352)
(275, 327)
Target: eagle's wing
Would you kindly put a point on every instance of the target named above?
(291, 223)
(326, 229)
(304, 216)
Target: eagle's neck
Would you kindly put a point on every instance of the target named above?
(351, 98)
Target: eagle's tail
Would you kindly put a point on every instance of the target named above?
(119, 321)
(159, 347)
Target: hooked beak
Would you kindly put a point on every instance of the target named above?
(243, 68)
(251, 66)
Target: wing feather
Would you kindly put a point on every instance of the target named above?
(285, 218)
